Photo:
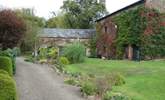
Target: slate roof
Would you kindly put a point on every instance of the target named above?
(122, 9)
(67, 33)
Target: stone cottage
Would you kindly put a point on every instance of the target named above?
(63, 37)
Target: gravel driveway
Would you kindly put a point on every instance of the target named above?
(40, 82)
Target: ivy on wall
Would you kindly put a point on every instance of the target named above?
(143, 28)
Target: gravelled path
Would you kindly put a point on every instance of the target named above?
(40, 82)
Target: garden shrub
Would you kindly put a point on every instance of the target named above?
(75, 53)
(43, 53)
(3, 72)
(59, 67)
(16, 51)
(74, 74)
(42, 61)
(7, 87)
(103, 84)
(48, 55)
(13, 58)
(6, 64)
(115, 96)
(30, 59)
(118, 79)
(9, 53)
(99, 85)
(64, 60)
(71, 81)
(52, 53)
(88, 88)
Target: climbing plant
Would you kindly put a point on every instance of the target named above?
(142, 27)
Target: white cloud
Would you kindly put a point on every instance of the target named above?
(44, 7)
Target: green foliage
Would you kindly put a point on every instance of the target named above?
(30, 59)
(106, 82)
(88, 88)
(43, 53)
(28, 14)
(153, 45)
(138, 76)
(3, 72)
(130, 27)
(64, 60)
(103, 84)
(141, 27)
(33, 25)
(59, 67)
(78, 14)
(92, 46)
(6, 64)
(118, 79)
(52, 53)
(52, 22)
(43, 61)
(75, 74)
(7, 87)
(58, 22)
(75, 53)
(48, 53)
(16, 51)
(71, 81)
(115, 96)
(10, 53)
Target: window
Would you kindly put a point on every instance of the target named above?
(105, 29)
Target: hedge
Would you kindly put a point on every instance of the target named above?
(9, 53)
(7, 87)
(3, 72)
(6, 64)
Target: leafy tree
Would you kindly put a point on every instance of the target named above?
(12, 29)
(33, 25)
(52, 22)
(28, 14)
(58, 22)
(78, 14)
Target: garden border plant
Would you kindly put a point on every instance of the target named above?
(7, 87)
(75, 52)
(6, 64)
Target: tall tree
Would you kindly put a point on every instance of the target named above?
(82, 13)
(33, 26)
(12, 29)
(79, 14)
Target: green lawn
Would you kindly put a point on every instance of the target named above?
(145, 80)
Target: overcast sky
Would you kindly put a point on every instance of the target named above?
(44, 7)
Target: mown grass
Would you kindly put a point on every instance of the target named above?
(145, 80)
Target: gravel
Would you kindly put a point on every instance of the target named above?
(40, 82)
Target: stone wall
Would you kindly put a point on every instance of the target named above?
(156, 4)
(62, 42)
